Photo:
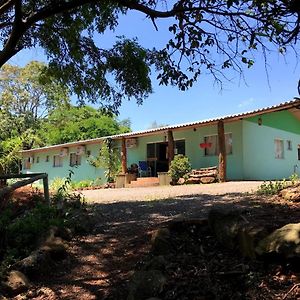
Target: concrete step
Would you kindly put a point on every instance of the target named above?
(147, 179)
(144, 182)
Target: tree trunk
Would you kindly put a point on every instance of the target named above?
(222, 152)
(124, 156)
(170, 146)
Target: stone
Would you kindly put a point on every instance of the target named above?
(146, 284)
(183, 224)
(192, 180)
(64, 233)
(83, 223)
(37, 263)
(55, 247)
(15, 283)
(226, 225)
(207, 179)
(160, 241)
(284, 242)
(156, 263)
(292, 194)
(181, 181)
(248, 238)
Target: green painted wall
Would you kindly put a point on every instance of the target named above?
(83, 172)
(282, 120)
(194, 152)
(259, 148)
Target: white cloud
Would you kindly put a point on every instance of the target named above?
(246, 103)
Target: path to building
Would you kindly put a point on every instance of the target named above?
(163, 192)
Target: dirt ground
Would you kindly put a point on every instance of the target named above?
(100, 264)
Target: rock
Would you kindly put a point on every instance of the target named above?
(2, 297)
(64, 233)
(292, 194)
(182, 225)
(55, 247)
(248, 238)
(284, 242)
(181, 181)
(146, 284)
(207, 179)
(226, 226)
(192, 180)
(15, 283)
(234, 231)
(160, 241)
(156, 263)
(37, 263)
(83, 223)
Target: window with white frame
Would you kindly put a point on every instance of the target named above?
(289, 145)
(279, 149)
(57, 161)
(213, 148)
(75, 159)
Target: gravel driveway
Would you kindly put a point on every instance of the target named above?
(163, 192)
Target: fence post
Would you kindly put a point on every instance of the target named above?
(46, 189)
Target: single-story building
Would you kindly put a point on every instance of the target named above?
(258, 145)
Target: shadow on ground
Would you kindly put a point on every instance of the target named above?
(101, 262)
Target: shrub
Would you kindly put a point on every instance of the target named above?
(179, 167)
(82, 184)
(57, 183)
(271, 187)
(294, 178)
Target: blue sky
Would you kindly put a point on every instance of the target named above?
(168, 105)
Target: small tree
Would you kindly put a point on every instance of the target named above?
(179, 167)
(108, 159)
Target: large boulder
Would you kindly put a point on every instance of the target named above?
(161, 242)
(15, 283)
(146, 284)
(37, 263)
(284, 242)
(226, 225)
(235, 232)
(56, 247)
(156, 263)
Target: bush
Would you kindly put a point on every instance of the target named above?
(58, 182)
(179, 167)
(82, 184)
(271, 187)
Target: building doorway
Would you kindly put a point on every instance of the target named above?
(157, 155)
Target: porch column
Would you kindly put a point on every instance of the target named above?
(222, 152)
(170, 146)
(124, 156)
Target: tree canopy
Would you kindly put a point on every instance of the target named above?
(26, 98)
(211, 35)
(80, 123)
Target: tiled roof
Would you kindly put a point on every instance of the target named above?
(278, 107)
